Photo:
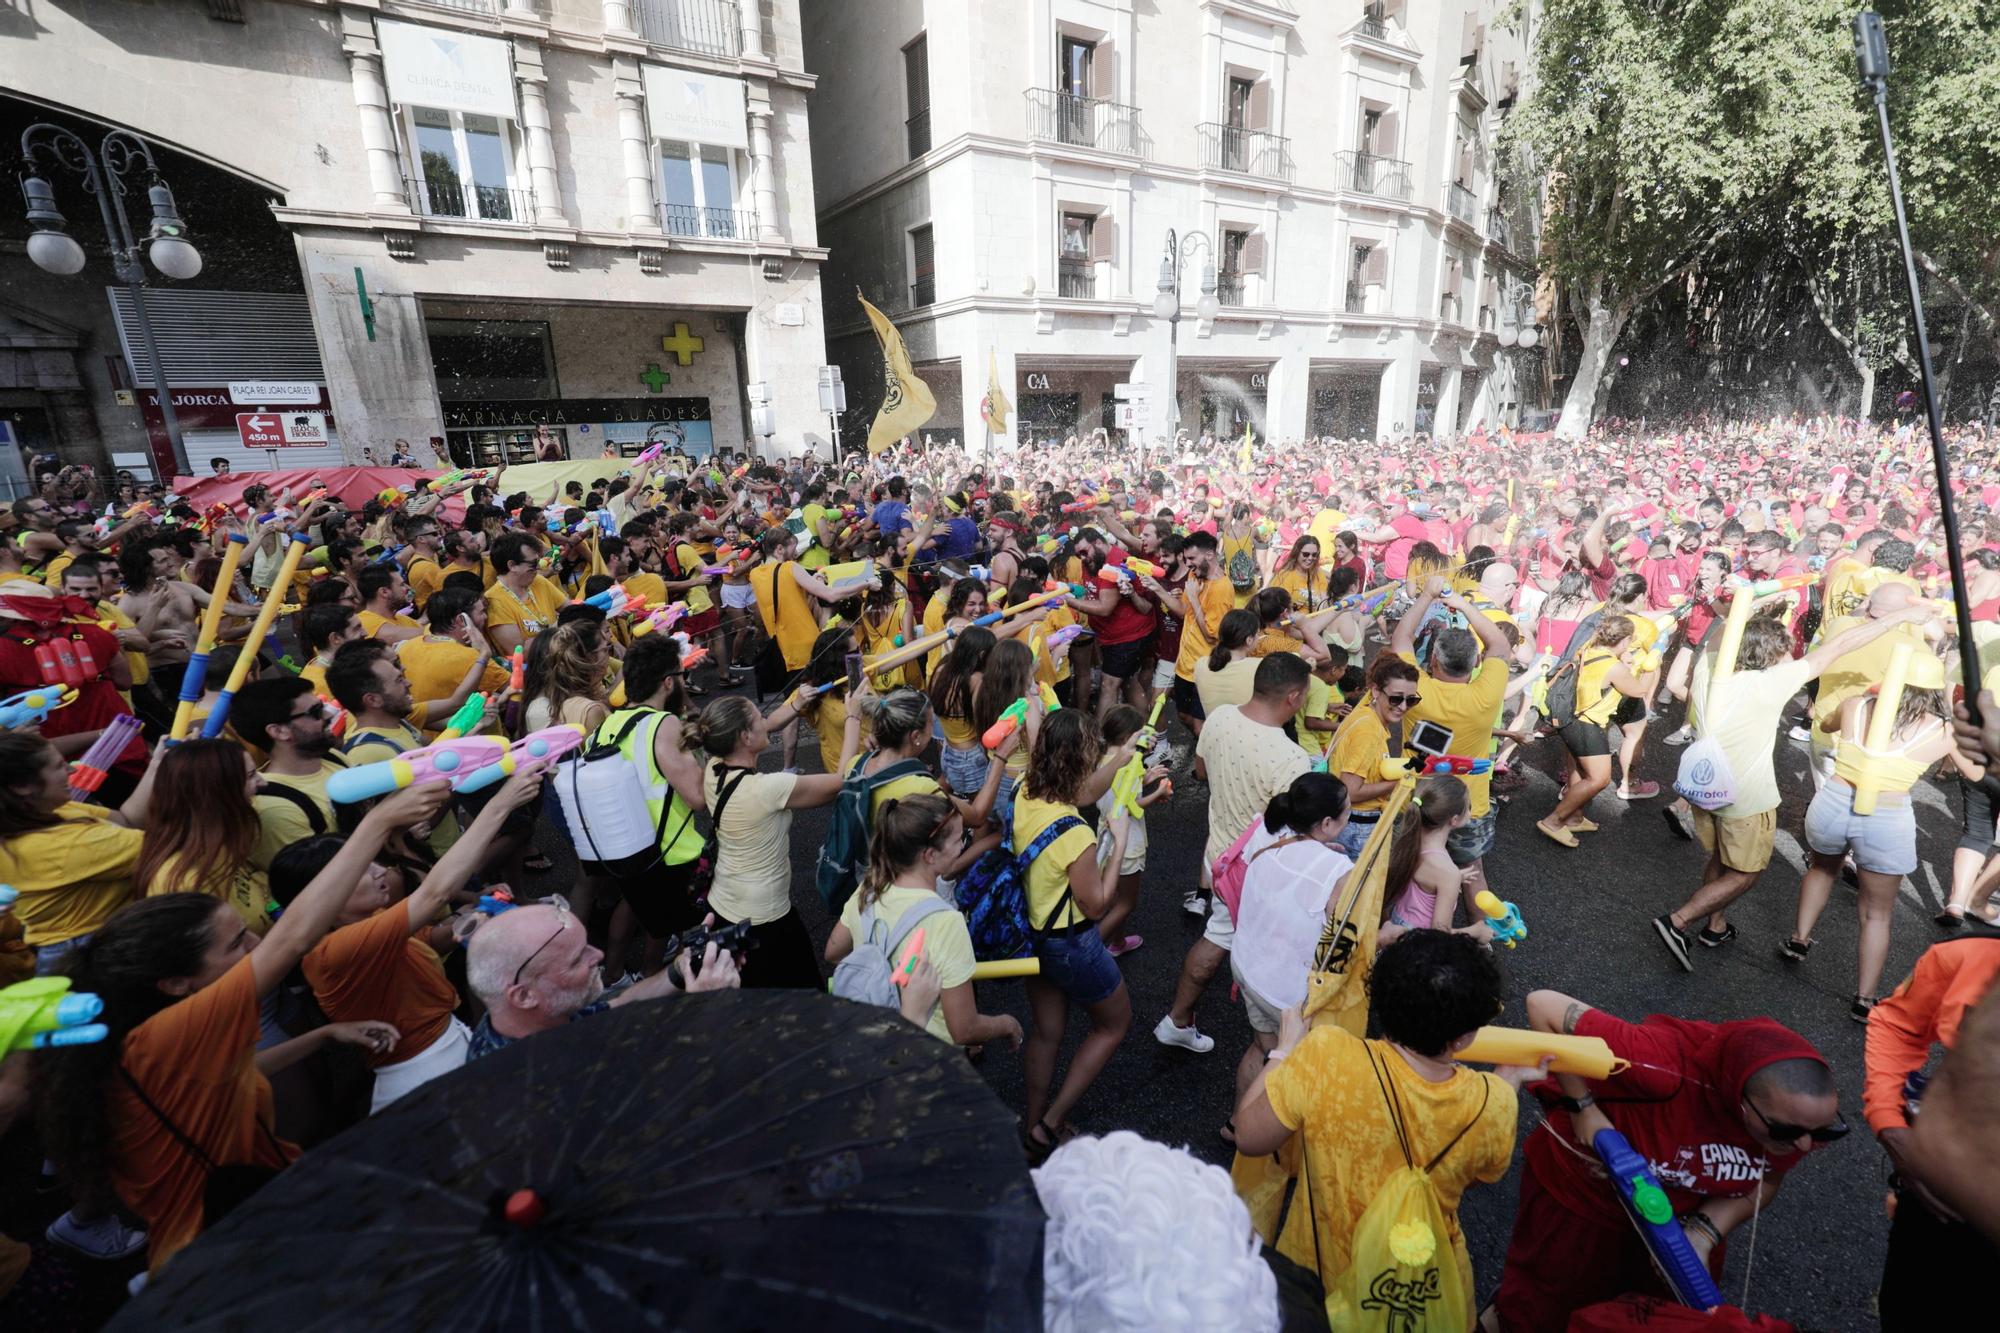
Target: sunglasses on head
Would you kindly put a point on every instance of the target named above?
(1787, 1133)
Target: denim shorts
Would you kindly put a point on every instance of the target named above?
(1884, 843)
(1354, 836)
(964, 770)
(1077, 963)
(48, 957)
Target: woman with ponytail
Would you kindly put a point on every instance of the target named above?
(171, 1114)
(916, 842)
(954, 685)
(752, 814)
(1423, 885)
(1295, 872)
(1226, 676)
(901, 722)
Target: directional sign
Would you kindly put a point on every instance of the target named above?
(260, 430)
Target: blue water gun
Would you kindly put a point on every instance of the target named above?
(1503, 919)
(40, 1012)
(1646, 1203)
(31, 708)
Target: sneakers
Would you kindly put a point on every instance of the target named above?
(1798, 733)
(1676, 941)
(106, 1238)
(1794, 950)
(1679, 736)
(1194, 904)
(1124, 946)
(1677, 823)
(1715, 939)
(1169, 1033)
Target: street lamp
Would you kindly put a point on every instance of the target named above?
(52, 249)
(1517, 317)
(1167, 306)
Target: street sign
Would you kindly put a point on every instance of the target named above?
(260, 430)
(1138, 392)
(1135, 415)
(281, 430)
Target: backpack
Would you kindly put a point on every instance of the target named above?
(1401, 1271)
(1559, 694)
(844, 854)
(603, 801)
(1242, 571)
(993, 894)
(1231, 868)
(867, 974)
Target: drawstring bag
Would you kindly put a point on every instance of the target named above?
(1402, 1273)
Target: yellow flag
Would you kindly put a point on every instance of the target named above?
(994, 407)
(906, 400)
(1243, 456)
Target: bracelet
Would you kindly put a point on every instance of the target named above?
(1701, 1222)
(1275, 1054)
(1575, 1104)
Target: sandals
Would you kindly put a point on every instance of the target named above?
(1039, 1148)
(1949, 920)
(1863, 1006)
(1228, 1132)
(1794, 950)
(538, 863)
(1581, 825)
(1556, 833)
(1676, 824)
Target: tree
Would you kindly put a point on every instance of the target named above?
(1665, 128)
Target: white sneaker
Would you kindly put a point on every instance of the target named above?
(1194, 904)
(106, 1238)
(1170, 1033)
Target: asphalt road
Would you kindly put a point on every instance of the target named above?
(1820, 1246)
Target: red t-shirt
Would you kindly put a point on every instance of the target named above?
(1396, 555)
(1691, 1135)
(1125, 623)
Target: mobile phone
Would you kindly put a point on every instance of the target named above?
(853, 665)
(1430, 738)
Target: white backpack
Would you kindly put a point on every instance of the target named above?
(603, 798)
(1705, 778)
(867, 975)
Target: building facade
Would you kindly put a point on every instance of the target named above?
(1044, 193)
(488, 227)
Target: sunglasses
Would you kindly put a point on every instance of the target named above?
(317, 713)
(1786, 1133)
(1402, 700)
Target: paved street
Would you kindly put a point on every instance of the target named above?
(1819, 1249)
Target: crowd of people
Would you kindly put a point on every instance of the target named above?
(1345, 654)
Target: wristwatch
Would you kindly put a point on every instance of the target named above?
(1575, 1104)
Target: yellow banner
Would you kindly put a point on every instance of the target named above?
(995, 407)
(906, 400)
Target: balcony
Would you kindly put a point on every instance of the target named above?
(466, 6)
(715, 224)
(450, 197)
(1499, 230)
(1229, 288)
(923, 292)
(1365, 173)
(1076, 278)
(1252, 152)
(1488, 321)
(706, 27)
(1458, 201)
(1449, 307)
(1084, 122)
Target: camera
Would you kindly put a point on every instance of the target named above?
(694, 943)
(1428, 738)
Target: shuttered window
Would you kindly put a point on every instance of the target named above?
(923, 267)
(214, 337)
(917, 93)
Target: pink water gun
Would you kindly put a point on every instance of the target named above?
(446, 760)
(549, 742)
(665, 618)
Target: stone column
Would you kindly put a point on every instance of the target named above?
(378, 129)
(618, 16)
(535, 131)
(763, 175)
(751, 12)
(640, 214)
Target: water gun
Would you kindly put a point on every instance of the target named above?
(392, 497)
(468, 717)
(607, 521)
(31, 708)
(610, 601)
(1125, 786)
(517, 678)
(91, 770)
(336, 716)
(906, 966)
(214, 514)
(549, 741)
(449, 760)
(665, 618)
(496, 902)
(1000, 968)
(984, 573)
(104, 523)
(693, 658)
(1503, 919)
(649, 453)
(1765, 587)
(1586, 1057)
(144, 509)
(388, 554)
(41, 1012)
(1367, 603)
(1066, 635)
(1015, 715)
(1086, 504)
(1652, 1212)
(288, 664)
(312, 497)
(1457, 764)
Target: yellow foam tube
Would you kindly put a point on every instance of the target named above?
(1881, 725)
(1588, 1057)
(1007, 967)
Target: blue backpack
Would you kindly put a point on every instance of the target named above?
(993, 894)
(843, 857)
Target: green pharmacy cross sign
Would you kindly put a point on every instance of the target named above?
(654, 378)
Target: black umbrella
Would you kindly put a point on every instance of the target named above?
(735, 1161)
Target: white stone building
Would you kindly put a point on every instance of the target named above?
(592, 217)
(1004, 178)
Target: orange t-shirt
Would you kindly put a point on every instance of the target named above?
(377, 969)
(197, 1061)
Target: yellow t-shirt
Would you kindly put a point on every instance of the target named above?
(1048, 877)
(284, 823)
(244, 887)
(1318, 704)
(692, 558)
(1327, 1089)
(52, 572)
(1207, 604)
(1307, 594)
(786, 612)
(425, 576)
(1326, 525)
(313, 673)
(1856, 673)
(902, 789)
(534, 613)
(1359, 747)
(649, 586)
(141, 672)
(1469, 708)
(830, 723)
(434, 667)
(816, 556)
(372, 623)
(71, 875)
(947, 943)
(934, 610)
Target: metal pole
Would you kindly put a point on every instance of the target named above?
(1871, 48)
(167, 417)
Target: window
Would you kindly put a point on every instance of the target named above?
(1368, 278)
(917, 93)
(1242, 259)
(698, 191)
(465, 166)
(1083, 240)
(1074, 58)
(1454, 281)
(923, 266)
(1076, 119)
(1240, 93)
